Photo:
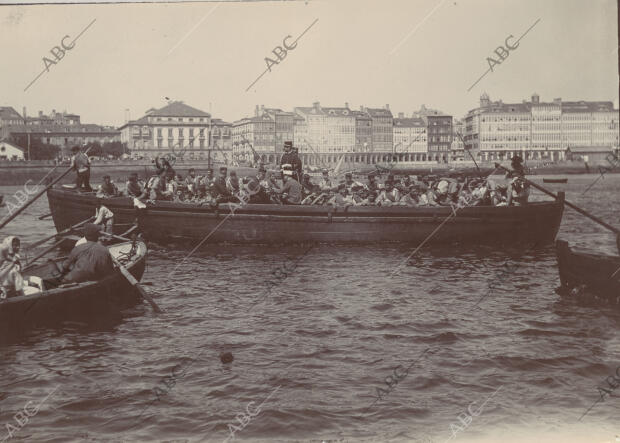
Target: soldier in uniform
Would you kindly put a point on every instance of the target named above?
(291, 158)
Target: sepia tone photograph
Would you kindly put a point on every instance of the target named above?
(310, 221)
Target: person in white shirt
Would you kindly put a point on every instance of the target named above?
(104, 217)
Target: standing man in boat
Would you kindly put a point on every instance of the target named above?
(90, 261)
(219, 186)
(81, 163)
(291, 158)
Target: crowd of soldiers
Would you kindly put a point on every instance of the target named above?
(291, 186)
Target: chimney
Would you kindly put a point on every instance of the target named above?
(387, 107)
(262, 109)
(346, 105)
(25, 113)
(40, 114)
(535, 98)
(316, 105)
(256, 111)
(401, 115)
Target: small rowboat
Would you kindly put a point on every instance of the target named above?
(600, 274)
(45, 303)
(555, 180)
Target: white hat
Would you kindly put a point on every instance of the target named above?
(288, 173)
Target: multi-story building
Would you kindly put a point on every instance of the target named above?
(221, 140)
(409, 135)
(9, 117)
(254, 135)
(539, 130)
(457, 150)
(55, 118)
(439, 136)
(176, 126)
(382, 128)
(363, 132)
(284, 124)
(328, 129)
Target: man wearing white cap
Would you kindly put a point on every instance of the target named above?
(291, 191)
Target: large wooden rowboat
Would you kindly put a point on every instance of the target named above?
(255, 223)
(600, 274)
(73, 300)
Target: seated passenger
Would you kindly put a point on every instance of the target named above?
(382, 198)
(134, 187)
(232, 183)
(326, 183)
(11, 281)
(518, 192)
(291, 191)
(107, 189)
(191, 181)
(219, 188)
(372, 183)
(341, 199)
(104, 218)
(410, 199)
(350, 183)
(90, 261)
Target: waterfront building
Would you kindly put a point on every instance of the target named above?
(439, 135)
(253, 136)
(328, 129)
(457, 149)
(175, 126)
(10, 151)
(221, 140)
(284, 125)
(410, 136)
(363, 131)
(382, 128)
(539, 130)
(9, 117)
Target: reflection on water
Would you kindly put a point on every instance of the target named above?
(328, 335)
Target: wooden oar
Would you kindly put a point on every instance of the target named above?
(37, 195)
(47, 251)
(63, 232)
(132, 280)
(567, 203)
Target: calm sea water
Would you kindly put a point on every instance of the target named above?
(310, 353)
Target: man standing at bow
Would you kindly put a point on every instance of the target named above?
(291, 158)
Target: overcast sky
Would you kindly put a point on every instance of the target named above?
(405, 53)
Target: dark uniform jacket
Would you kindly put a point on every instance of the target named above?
(292, 159)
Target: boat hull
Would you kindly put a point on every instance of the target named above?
(600, 274)
(76, 301)
(166, 221)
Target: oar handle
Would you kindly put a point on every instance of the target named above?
(132, 280)
(567, 203)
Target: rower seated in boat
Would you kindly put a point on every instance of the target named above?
(134, 187)
(107, 189)
(104, 218)
(11, 281)
(90, 261)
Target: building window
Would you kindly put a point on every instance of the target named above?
(159, 143)
(180, 119)
(169, 119)
(158, 132)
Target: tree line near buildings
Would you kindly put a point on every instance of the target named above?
(45, 151)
